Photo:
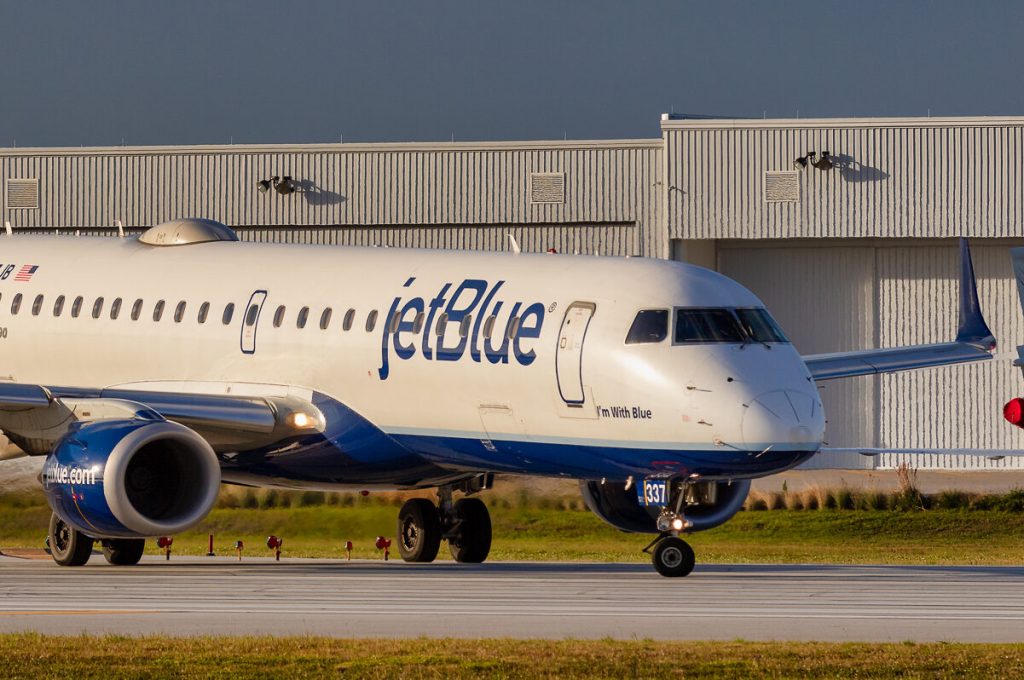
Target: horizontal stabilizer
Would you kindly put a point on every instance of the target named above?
(974, 341)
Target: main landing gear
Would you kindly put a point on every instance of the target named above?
(465, 524)
(671, 555)
(69, 547)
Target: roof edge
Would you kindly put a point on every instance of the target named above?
(668, 123)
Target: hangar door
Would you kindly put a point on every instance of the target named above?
(823, 297)
(834, 298)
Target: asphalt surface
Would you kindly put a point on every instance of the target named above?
(207, 596)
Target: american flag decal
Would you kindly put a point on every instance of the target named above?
(26, 272)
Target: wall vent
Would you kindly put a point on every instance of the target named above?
(547, 187)
(782, 186)
(22, 193)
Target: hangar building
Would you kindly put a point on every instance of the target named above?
(857, 252)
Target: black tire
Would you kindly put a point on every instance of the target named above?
(419, 531)
(124, 551)
(673, 557)
(69, 547)
(472, 541)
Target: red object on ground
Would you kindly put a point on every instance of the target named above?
(164, 541)
(348, 548)
(385, 545)
(1014, 411)
(210, 552)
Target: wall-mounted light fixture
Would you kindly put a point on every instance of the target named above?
(822, 163)
(282, 185)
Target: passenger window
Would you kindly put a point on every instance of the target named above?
(396, 319)
(279, 317)
(76, 306)
(707, 325)
(371, 321)
(137, 310)
(650, 325)
(229, 312)
(115, 308)
(252, 315)
(350, 316)
(204, 311)
(467, 323)
(16, 304)
(300, 321)
(179, 312)
(97, 308)
(513, 327)
(759, 325)
(417, 325)
(489, 326)
(37, 305)
(325, 319)
(58, 305)
(158, 310)
(442, 324)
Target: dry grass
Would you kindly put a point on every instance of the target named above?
(34, 656)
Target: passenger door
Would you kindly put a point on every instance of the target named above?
(251, 320)
(569, 356)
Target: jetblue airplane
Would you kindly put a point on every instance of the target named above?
(150, 370)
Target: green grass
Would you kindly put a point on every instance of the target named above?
(83, 657)
(528, 528)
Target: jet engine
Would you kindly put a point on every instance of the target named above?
(706, 504)
(131, 478)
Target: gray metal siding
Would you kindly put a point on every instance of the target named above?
(612, 188)
(919, 178)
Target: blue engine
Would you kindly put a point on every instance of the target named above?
(130, 478)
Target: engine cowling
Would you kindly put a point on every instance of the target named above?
(707, 507)
(131, 478)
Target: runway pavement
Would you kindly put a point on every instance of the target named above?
(200, 596)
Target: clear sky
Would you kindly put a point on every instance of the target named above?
(184, 72)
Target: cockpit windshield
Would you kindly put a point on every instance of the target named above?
(759, 325)
(706, 325)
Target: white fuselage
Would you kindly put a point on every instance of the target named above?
(525, 391)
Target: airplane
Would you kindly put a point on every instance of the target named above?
(148, 370)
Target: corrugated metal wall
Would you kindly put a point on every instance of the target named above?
(443, 193)
(922, 178)
(885, 294)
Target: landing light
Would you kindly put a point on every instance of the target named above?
(677, 524)
(300, 420)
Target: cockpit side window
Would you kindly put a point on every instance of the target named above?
(760, 326)
(707, 325)
(650, 325)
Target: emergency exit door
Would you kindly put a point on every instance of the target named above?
(251, 321)
(569, 357)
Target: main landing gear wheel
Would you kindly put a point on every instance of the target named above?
(673, 556)
(124, 551)
(419, 531)
(69, 547)
(471, 540)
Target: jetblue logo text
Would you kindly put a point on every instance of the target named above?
(56, 473)
(453, 329)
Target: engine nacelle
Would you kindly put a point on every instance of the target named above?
(130, 478)
(707, 505)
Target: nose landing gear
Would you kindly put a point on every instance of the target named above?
(671, 555)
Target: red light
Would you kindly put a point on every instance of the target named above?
(383, 543)
(274, 542)
(1014, 411)
(164, 541)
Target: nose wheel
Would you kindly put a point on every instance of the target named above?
(672, 556)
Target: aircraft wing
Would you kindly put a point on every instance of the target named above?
(990, 454)
(974, 341)
(36, 416)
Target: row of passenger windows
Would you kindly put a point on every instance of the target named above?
(251, 316)
(706, 325)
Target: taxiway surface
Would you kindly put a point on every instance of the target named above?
(207, 596)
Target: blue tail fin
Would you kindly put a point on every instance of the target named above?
(973, 328)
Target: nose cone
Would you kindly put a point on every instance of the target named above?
(783, 419)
